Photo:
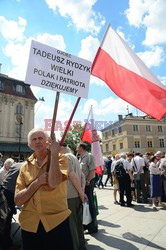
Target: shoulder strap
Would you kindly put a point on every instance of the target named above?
(135, 166)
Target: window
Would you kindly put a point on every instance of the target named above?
(106, 135)
(120, 130)
(160, 129)
(1, 85)
(162, 144)
(107, 148)
(19, 109)
(19, 88)
(121, 145)
(148, 128)
(114, 147)
(150, 144)
(113, 132)
(137, 144)
(135, 127)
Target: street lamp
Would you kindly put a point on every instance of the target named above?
(41, 99)
(19, 147)
(20, 123)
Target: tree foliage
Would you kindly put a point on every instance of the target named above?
(73, 137)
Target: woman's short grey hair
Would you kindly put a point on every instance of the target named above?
(117, 157)
(123, 155)
(34, 130)
(66, 150)
(9, 162)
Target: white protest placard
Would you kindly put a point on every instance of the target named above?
(57, 70)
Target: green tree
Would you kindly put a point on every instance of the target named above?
(73, 137)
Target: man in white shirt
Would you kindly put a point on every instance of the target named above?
(125, 180)
(139, 178)
(88, 167)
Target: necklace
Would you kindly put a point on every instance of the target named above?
(39, 163)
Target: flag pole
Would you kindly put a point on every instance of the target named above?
(89, 112)
(86, 122)
(102, 41)
(85, 129)
(69, 122)
(52, 134)
(105, 35)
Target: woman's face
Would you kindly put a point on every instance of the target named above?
(157, 158)
(155, 161)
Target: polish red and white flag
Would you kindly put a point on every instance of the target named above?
(90, 135)
(87, 131)
(128, 77)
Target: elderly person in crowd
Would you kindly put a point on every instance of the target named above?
(75, 198)
(41, 189)
(138, 164)
(8, 186)
(155, 182)
(125, 180)
(6, 166)
(88, 167)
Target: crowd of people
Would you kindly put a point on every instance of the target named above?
(50, 187)
(143, 181)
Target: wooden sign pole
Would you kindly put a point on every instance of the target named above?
(52, 135)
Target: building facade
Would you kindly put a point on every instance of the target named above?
(134, 133)
(16, 117)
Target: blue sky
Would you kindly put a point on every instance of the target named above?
(77, 27)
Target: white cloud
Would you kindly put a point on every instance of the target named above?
(89, 47)
(162, 79)
(56, 41)
(151, 15)
(12, 30)
(18, 54)
(18, 49)
(97, 81)
(80, 13)
(107, 106)
(136, 11)
(153, 57)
